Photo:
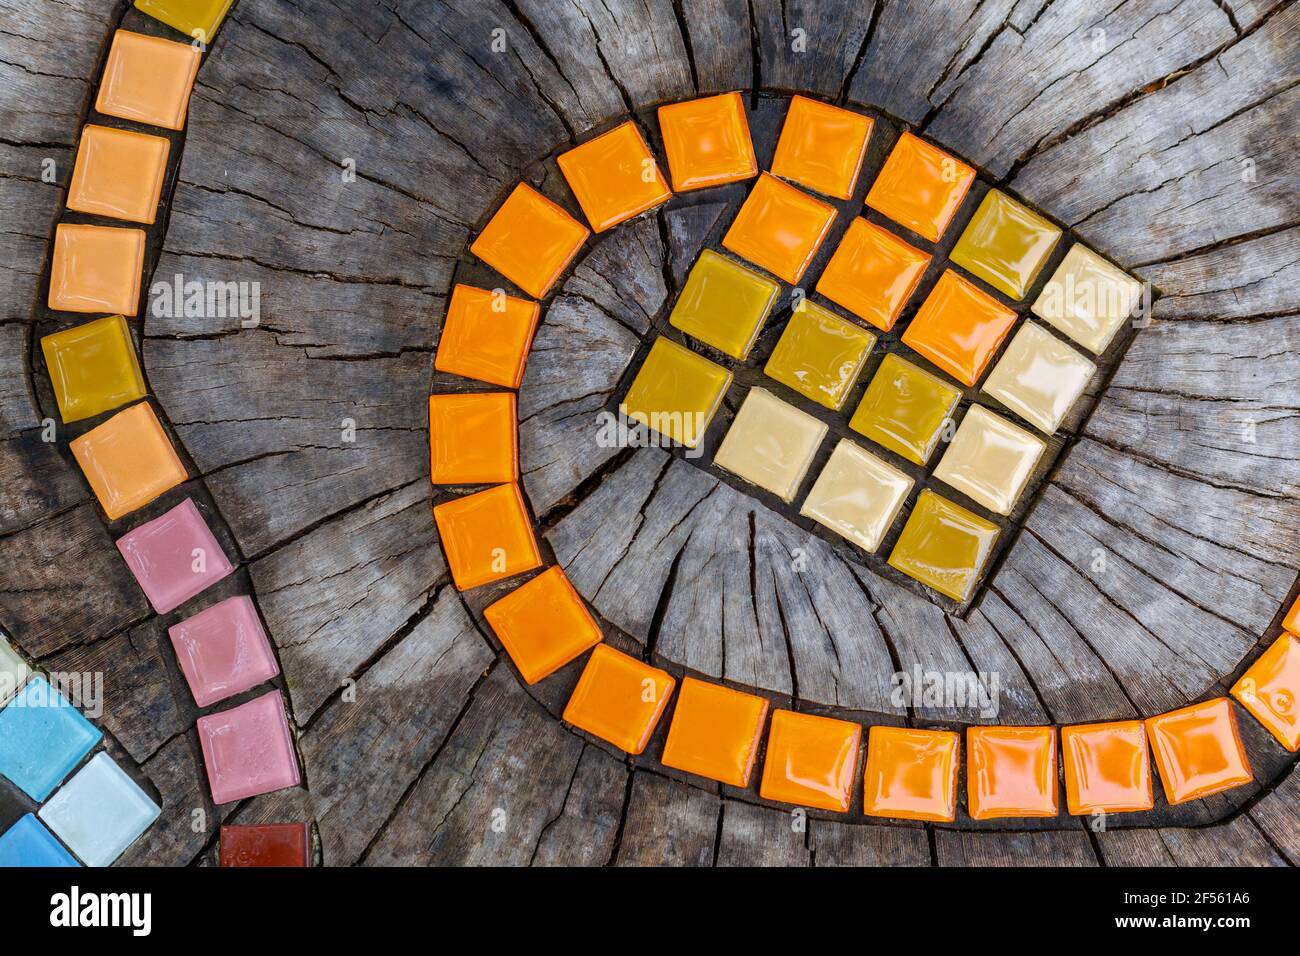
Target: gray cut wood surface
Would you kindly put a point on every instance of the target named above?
(340, 156)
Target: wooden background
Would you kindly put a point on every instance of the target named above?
(1167, 140)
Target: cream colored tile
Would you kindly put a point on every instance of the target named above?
(770, 444)
(1088, 299)
(857, 495)
(1039, 377)
(990, 460)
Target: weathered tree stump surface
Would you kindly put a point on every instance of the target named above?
(1164, 135)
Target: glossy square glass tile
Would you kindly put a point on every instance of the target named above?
(174, 557)
(1270, 690)
(1088, 299)
(487, 536)
(543, 624)
(723, 304)
(100, 812)
(810, 761)
(1039, 377)
(822, 146)
(96, 269)
(990, 460)
(93, 368)
(1005, 244)
(530, 240)
(486, 336)
(904, 409)
(857, 495)
(118, 174)
(265, 845)
(42, 737)
(1198, 750)
(223, 650)
(911, 774)
(13, 670)
(1107, 768)
(820, 355)
(148, 80)
(195, 18)
(1292, 620)
(715, 732)
(959, 328)
(944, 546)
(770, 444)
(128, 460)
(872, 273)
(779, 228)
(248, 749)
(614, 177)
(707, 142)
(619, 699)
(920, 187)
(28, 844)
(1011, 772)
(473, 438)
(676, 392)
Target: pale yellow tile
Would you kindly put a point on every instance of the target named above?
(857, 495)
(1088, 299)
(1039, 377)
(990, 460)
(770, 444)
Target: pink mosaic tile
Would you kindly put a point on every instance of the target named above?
(223, 650)
(248, 749)
(174, 557)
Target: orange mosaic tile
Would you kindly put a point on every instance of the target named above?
(1292, 620)
(530, 240)
(715, 732)
(911, 774)
(779, 228)
(472, 438)
(619, 699)
(614, 177)
(959, 328)
(1107, 768)
(1011, 772)
(707, 142)
(920, 187)
(822, 146)
(1198, 750)
(487, 536)
(486, 336)
(872, 273)
(1270, 689)
(128, 460)
(118, 174)
(810, 761)
(148, 80)
(543, 625)
(96, 269)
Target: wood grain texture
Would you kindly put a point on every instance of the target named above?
(1154, 561)
(376, 740)
(383, 556)
(668, 824)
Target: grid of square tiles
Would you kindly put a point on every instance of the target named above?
(130, 461)
(910, 404)
(716, 731)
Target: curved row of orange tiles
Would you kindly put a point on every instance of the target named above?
(716, 731)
